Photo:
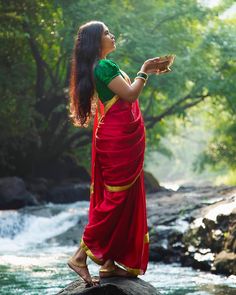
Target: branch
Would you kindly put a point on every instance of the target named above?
(191, 104)
(40, 63)
(169, 109)
(167, 19)
(76, 136)
(67, 76)
(58, 63)
(151, 120)
(50, 73)
(40, 75)
(83, 142)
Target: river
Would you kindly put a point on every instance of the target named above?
(29, 264)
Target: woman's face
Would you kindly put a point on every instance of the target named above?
(108, 42)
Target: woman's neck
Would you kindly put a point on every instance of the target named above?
(103, 55)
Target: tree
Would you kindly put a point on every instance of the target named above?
(35, 116)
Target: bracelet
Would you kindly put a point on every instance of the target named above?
(138, 77)
(142, 74)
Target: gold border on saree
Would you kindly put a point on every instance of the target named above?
(110, 102)
(121, 188)
(134, 271)
(90, 254)
(146, 238)
(91, 188)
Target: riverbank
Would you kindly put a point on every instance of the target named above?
(193, 226)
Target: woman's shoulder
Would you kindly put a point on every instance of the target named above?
(106, 66)
(106, 63)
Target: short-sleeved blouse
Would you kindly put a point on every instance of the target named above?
(104, 72)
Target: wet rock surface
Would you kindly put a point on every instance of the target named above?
(195, 227)
(151, 184)
(59, 192)
(62, 185)
(111, 286)
(14, 194)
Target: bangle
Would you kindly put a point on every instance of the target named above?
(138, 77)
(142, 74)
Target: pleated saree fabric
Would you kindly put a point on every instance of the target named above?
(117, 226)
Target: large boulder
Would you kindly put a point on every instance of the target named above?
(151, 184)
(65, 191)
(212, 244)
(225, 262)
(111, 286)
(14, 195)
(68, 193)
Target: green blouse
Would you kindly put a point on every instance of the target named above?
(104, 72)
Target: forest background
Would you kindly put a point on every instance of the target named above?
(37, 39)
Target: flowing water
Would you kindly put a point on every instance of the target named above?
(29, 264)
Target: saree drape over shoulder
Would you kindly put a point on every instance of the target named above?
(117, 226)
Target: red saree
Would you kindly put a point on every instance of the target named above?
(117, 227)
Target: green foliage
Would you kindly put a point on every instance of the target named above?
(36, 45)
(221, 149)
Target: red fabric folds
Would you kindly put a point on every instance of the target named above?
(117, 227)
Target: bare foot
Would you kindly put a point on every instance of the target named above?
(114, 271)
(81, 269)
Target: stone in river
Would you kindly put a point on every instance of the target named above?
(111, 286)
(14, 195)
(225, 262)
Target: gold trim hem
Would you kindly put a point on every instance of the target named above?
(146, 238)
(90, 254)
(91, 188)
(134, 271)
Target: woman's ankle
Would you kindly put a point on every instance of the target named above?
(108, 263)
(80, 255)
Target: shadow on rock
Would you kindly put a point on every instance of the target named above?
(111, 286)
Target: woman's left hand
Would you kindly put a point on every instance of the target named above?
(150, 66)
(159, 72)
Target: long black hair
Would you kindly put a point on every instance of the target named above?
(86, 52)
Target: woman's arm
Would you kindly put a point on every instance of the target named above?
(131, 92)
(125, 91)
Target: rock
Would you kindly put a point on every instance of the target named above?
(68, 193)
(111, 286)
(216, 236)
(151, 184)
(158, 252)
(14, 195)
(39, 187)
(67, 190)
(225, 263)
(209, 224)
(70, 237)
(223, 222)
(191, 259)
(230, 236)
(192, 225)
(186, 189)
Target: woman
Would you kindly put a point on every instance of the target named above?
(116, 236)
